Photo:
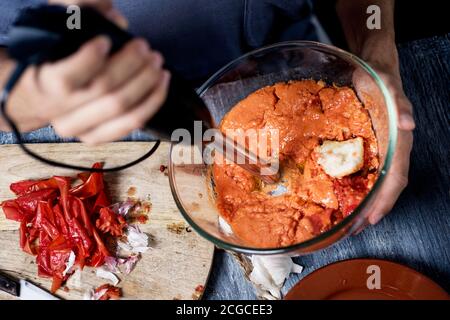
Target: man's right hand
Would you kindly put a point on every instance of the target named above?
(90, 95)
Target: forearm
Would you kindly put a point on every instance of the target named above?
(373, 45)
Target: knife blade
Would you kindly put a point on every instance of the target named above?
(23, 289)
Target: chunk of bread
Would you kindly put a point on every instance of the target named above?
(341, 158)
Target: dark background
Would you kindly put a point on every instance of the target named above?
(413, 19)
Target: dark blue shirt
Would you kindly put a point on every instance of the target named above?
(197, 37)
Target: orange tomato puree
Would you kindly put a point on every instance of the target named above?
(305, 113)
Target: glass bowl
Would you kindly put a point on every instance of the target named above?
(191, 184)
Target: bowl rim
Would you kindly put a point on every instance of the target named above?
(392, 141)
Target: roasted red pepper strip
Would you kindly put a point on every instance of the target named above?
(101, 201)
(58, 259)
(23, 234)
(13, 211)
(22, 187)
(96, 260)
(61, 223)
(110, 292)
(49, 213)
(83, 176)
(63, 187)
(79, 211)
(43, 262)
(44, 238)
(51, 230)
(100, 245)
(80, 256)
(52, 263)
(27, 239)
(56, 220)
(91, 187)
(56, 283)
(59, 243)
(79, 234)
(27, 186)
(29, 201)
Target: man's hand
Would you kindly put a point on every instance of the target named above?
(89, 95)
(377, 47)
(397, 178)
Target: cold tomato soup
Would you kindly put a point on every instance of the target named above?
(328, 162)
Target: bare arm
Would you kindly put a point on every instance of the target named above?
(372, 45)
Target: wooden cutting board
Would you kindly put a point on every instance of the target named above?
(172, 269)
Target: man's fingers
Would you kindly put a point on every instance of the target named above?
(396, 180)
(121, 67)
(135, 119)
(77, 70)
(393, 186)
(115, 16)
(405, 112)
(404, 106)
(116, 72)
(364, 225)
(112, 105)
(397, 176)
(119, 70)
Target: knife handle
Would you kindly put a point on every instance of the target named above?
(9, 285)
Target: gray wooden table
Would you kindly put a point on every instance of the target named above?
(417, 231)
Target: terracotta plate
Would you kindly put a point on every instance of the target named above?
(346, 280)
